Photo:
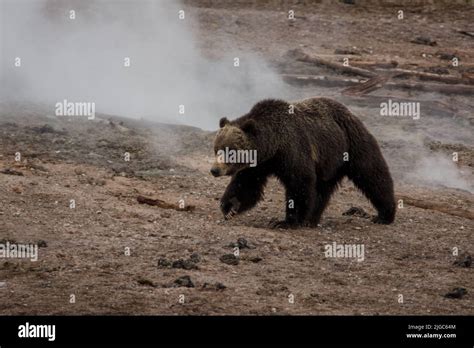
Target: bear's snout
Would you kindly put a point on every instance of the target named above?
(215, 171)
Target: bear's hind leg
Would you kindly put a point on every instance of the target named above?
(376, 184)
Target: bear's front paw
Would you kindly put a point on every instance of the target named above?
(230, 208)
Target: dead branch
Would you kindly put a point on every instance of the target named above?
(432, 87)
(375, 65)
(366, 87)
(162, 204)
(427, 76)
(434, 108)
(443, 208)
(325, 81)
(299, 55)
(378, 82)
(465, 32)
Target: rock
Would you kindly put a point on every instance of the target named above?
(145, 282)
(162, 262)
(437, 70)
(446, 56)
(255, 259)
(356, 211)
(463, 260)
(184, 264)
(424, 40)
(229, 259)
(217, 286)
(42, 243)
(195, 257)
(242, 243)
(9, 171)
(347, 51)
(184, 281)
(456, 293)
(79, 171)
(46, 129)
(187, 264)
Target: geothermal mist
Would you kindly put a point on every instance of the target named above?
(82, 60)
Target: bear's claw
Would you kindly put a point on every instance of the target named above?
(230, 214)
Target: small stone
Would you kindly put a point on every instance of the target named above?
(463, 260)
(456, 293)
(255, 259)
(195, 257)
(217, 286)
(424, 40)
(145, 282)
(356, 211)
(162, 262)
(9, 171)
(229, 259)
(184, 264)
(241, 243)
(184, 281)
(42, 243)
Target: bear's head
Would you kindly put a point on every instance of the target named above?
(234, 147)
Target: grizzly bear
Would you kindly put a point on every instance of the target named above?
(310, 146)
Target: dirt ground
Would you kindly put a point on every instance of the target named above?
(117, 256)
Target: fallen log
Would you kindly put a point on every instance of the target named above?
(431, 87)
(429, 108)
(443, 208)
(325, 81)
(383, 68)
(9, 171)
(299, 55)
(427, 76)
(367, 87)
(378, 83)
(375, 65)
(434, 107)
(164, 205)
(465, 32)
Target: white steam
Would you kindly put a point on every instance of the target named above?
(439, 170)
(82, 60)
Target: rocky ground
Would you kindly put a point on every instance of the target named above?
(119, 256)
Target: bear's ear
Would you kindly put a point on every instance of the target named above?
(223, 121)
(250, 127)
